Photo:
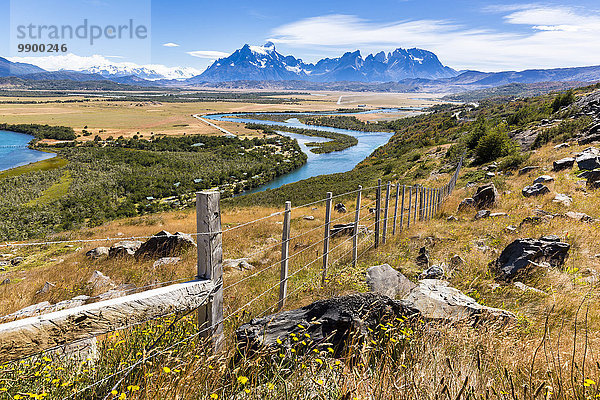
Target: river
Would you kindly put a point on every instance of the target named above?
(14, 151)
(318, 164)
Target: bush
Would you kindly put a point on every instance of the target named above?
(493, 145)
(563, 100)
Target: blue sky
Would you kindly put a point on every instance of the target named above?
(487, 36)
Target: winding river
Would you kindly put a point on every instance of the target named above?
(14, 151)
(318, 164)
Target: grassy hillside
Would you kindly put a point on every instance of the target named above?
(551, 352)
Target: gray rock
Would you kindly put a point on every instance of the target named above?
(592, 178)
(99, 280)
(5, 281)
(466, 203)
(525, 288)
(125, 248)
(524, 253)
(333, 321)
(422, 259)
(543, 179)
(342, 230)
(528, 169)
(165, 244)
(511, 228)
(578, 216)
(46, 288)
(435, 300)
(561, 146)
(563, 163)
(537, 189)
(433, 272)
(98, 252)
(498, 214)
(588, 161)
(563, 199)
(490, 175)
(309, 218)
(486, 196)
(340, 207)
(384, 279)
(16, 260)
(482, 214)
(161, 262)
(239, 263)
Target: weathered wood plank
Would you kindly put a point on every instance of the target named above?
(32, 335)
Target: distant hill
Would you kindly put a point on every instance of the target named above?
(8, 68)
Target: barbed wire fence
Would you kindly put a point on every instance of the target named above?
(346, 238)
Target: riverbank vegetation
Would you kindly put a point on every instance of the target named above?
(338, 142)
(104, 180)
(40, 131)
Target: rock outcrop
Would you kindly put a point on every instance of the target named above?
(435, 300)
(563, 163)
(165, 244)
(486, 196)
(537, 189)
(522, 254)
(124, 248)
(384, 279)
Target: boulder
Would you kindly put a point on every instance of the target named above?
(435, 300)
(239, 263)
(523, 253)
(482, 214)
(332, 320)
(563, 163)
(485, 196)
(561, 146)
(340, 207)
(543, 179)
(536, 189)
(563, 199)
(125, 248)
(578, 216)
(46, 288)
(466, 203)
(309, 217)
(588, 161)
(98, 252)
(99, 280)
(434, 272)
(422, 259)
(592, 178)
(342, 230)
(528, 169)
(165, 244)
(161, 262)
(384, 279)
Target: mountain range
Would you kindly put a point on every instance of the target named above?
(265, 63)
(263, 66)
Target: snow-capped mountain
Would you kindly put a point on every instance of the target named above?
(265, 63)
(102, 66)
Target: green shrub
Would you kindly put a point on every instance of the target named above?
(493, 145)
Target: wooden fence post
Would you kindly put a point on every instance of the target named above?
(421, 202)
(429, 203)
(356, 220)
(410, 188)
(416, 208)
(386, 212)
(396, 210)
(402, 208)
(285, 251)
(326, 235)
(210, 264)
(377, 212)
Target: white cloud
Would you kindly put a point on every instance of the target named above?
(170, 44)
(557, 37)
(210, 54)
(101, 64)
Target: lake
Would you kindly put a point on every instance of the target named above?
(14, 151)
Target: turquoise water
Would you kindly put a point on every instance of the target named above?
(14, 151)
(317, 164)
